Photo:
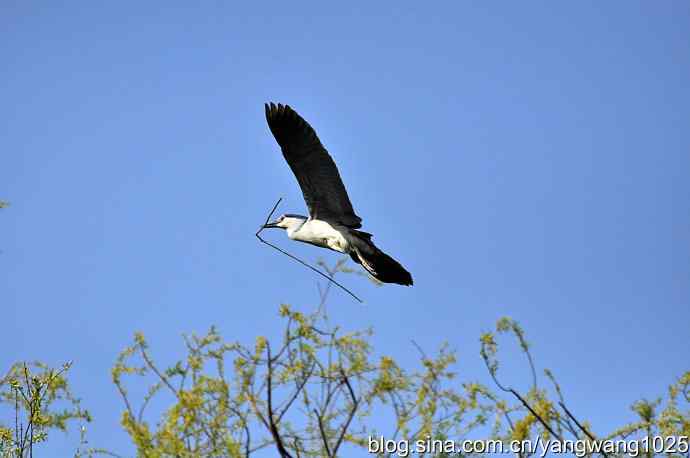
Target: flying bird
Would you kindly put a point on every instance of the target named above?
(332, 222)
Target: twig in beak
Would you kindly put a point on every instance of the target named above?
(258, 236)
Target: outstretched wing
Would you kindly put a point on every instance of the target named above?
(316, 173)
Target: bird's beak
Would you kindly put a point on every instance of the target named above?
(271, 225)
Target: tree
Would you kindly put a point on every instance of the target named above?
(311, 394)
(41, 401)
(320, 391)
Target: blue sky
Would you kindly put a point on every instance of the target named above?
(521, 159)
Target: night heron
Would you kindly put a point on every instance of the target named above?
(332, 223)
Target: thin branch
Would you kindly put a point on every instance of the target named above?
(296, 445)
(268, 218)
(355, 403)
(572, 417)
(155, 370)
(123, 394)
(258, 236)
(536, 415)
(296, 393)
(244, 424)
(522, 400)
(274, 429)
(531, 366)
(323, 294)
(30, 426)
(16, 415)
(146, 401)
(323, 434)
(566, 421)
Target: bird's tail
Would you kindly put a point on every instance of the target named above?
(381, 266)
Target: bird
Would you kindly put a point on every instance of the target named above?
(332, 222)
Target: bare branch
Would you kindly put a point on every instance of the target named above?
(274, 429)
(245, 426)
(521, 399)
(584, 430)
(153, 367)
(296, 393)
(536, 415)
(319, 418)
(355, 403)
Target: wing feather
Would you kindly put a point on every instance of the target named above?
(316, 173)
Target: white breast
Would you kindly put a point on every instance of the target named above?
(321, 233)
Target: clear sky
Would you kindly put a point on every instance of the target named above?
(527, 159)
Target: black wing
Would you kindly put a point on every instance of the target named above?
(316, 173)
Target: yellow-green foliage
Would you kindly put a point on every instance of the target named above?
(41, 400)
(313, 392)
(316, 388)
(551, 414)
(201, 420)
(310, 392)
(324, 386)
(656, 418)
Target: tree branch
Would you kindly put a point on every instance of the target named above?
(324, 439)
(572, 417)
(296, 393)
(355, 403)
(274, 429)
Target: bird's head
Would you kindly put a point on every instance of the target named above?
(287, 221)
